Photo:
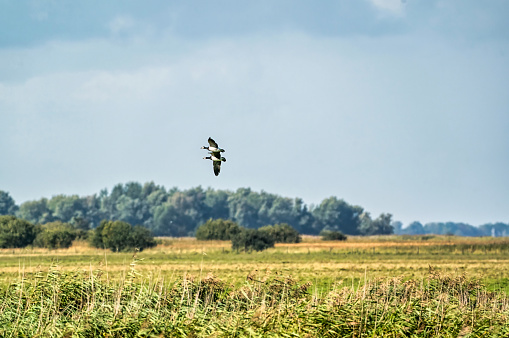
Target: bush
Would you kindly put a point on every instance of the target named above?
(142, 238)
(251, 239)
(217, 229)
(282, 233)
(116, 236)
(81, 227)
(15, 232)
(96, 237)
(55, 235)
(328, 235)
(121, 236)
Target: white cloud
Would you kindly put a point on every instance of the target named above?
(125, 26)
(120, 24)
(391, 7)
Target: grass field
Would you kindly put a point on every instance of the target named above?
(321, 263)
(396, 286)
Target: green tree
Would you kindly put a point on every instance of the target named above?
(366, 226)
(498, 229)
(398, 227)
(55, 235)
(217, 204)
(452, 228)
(179, 213)
(170, 221)
(191, 204)
(121, 236)
(7, 204)
(81, 227)
(282, 233)
(304, 219)
(15, 232)
(217, 229)
(281, 211)
(96, 239)
(141, 238)
(328, 235)
(414, 228)
(132, 210)
(252, 239)
(36, 212)
(379, 226)
(383, 224)
(336, 214)
(243, 208)
(133, 190)
(116, 235)
(64, 208)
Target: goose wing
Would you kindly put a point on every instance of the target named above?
(217, 167)
(216, 154)
(212, 143)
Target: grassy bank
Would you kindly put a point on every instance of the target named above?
(364, 287)
(88, 304)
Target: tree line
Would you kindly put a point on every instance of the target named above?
(174, 212)
(113, 235)
(497, 229)
(122, 236)
(247, 239)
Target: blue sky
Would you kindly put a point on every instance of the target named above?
(397, 106)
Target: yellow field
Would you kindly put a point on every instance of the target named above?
(322, 263)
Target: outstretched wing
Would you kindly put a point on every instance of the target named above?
(217, 167)
(216, 154)
(213, 143)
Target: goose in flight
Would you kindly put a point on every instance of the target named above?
(216, 162)
(212, 147)
(215, 155)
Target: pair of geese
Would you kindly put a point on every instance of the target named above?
(215, 155)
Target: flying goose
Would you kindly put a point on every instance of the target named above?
(215, 155)
(216, 162)
(213, 147)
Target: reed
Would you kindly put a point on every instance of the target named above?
(61, 303)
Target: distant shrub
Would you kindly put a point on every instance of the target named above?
(251, 239)
(15, 232)
(96, 236)
(121, 236)
(282, 233)
(142, 238)
(329, 235)
(81, 227)
(116, 235)
(55, 235)
(82, 235)
(217, 229)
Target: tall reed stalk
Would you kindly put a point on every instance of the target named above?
(79, 304)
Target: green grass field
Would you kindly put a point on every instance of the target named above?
(417, 286)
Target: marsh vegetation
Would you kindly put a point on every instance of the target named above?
(441, 286)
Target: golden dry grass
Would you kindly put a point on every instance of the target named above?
(322, 263)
